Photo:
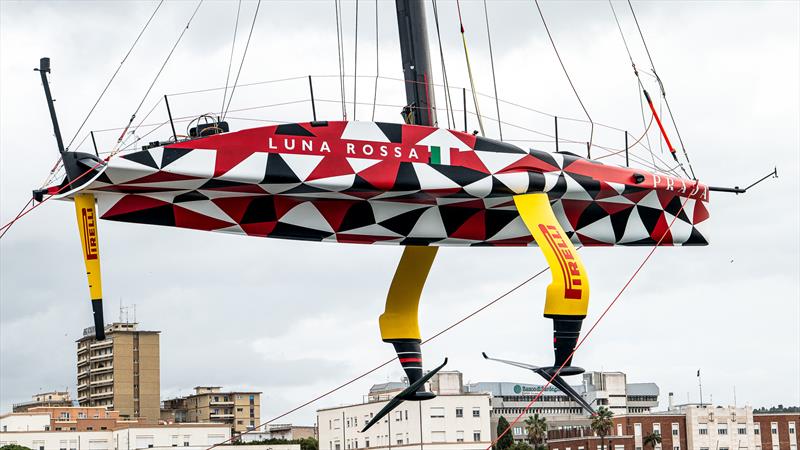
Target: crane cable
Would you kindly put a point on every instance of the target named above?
(494, 78)
(552, 42)
(469, 70)
(158, 74)
(115, 74)
(448, 99)
(355, 65)
(638, 80)
(663, 94)
(377, 63)
(241, 63)
(340, 51)
(230, 61)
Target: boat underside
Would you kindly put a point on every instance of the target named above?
(364, 182)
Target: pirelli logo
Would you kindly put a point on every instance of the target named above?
(573, 285)
(89, 233)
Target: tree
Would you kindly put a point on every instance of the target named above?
(507, 440)
(537, 429)
(601, 424)
(14, 447)
(520, 446)
(652, 440)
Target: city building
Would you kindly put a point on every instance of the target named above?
(688, 427)
(122, 372)
(284, 431)
(454, 419)
(241, 410)
(77, 418)
(187, 436)
(53, 398)
(609, 389)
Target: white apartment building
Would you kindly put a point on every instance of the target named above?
(188, 436)
(454, 420)
(609, 389)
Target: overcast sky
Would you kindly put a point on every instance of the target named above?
(293, 319)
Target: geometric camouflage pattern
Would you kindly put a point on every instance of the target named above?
(366, 182)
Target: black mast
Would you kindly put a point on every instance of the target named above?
(416, 61)
(44, 69)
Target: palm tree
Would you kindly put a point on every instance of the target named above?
(601, 424)
(537, 429)
(652, 440)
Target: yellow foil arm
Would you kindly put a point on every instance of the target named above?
(87, 227)
(399, 319)
(568, 293)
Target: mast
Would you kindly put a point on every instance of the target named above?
(416, 61)
(44, 69)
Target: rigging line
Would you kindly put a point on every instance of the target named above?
(544, 22)
(161, 69)
(387, 362)
(469, 69)
(594, 325)
(257, 83)
(230, 61)
(494, 78)
(663, 93)
(244, 55)
(115, 74)
(377, 62)
(355, 63)
(448, 100)
(340, 54)
(641, 107)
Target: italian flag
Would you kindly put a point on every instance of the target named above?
(439, 156)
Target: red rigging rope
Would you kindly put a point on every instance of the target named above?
(594, 325)
(385, 363)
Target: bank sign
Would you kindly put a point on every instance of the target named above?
(522, 389)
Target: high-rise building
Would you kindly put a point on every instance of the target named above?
(121, 372)
(240, 409)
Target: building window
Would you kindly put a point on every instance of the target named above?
(757, 429)
(722, 428)
(437, 412)
(476, 412)
(619, 429)
(742, 428)
(702, 429)
(476, 435)
(791, 427)
(674, 429)
(398, 416)
(459, 436)
(774, 427)
(459, 412)
(438, 436)
(366, 442)
(637, 429)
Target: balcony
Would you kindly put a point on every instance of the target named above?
(109, 380)
(102, 344)
(101, 357)
(99, 395)
(220, 403)
(104, 369)
(222, 416)
(82, 350)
